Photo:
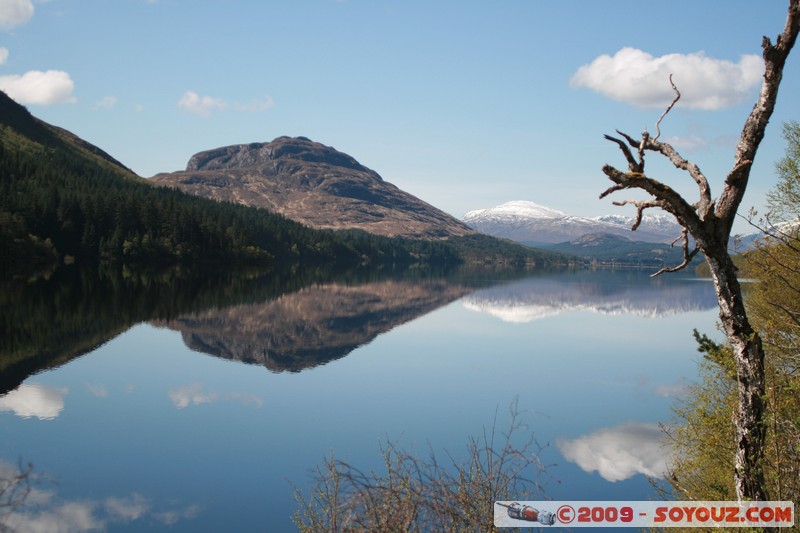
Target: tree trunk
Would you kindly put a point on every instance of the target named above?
(748, 355)
(710, 221)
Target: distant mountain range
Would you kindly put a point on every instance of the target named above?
(534, 224)
(313, 184)
(605, 238)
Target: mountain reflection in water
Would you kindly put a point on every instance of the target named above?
(312, 326)
(607, 293)
(122, 401)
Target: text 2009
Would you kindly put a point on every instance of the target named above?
(605, 514)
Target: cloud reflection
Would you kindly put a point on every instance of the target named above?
(675, 390)
(99, 391)
(45, 512)
(192, 394)
(182, 397)
(619, 452)
(34, 400)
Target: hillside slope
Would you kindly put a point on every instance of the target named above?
(61, 196)
(313, 184)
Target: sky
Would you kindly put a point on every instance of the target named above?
(466, 104)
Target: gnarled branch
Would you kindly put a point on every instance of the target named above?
(687, 255)
(641, 205)
(633, 165)
(664, 197)
(705, 205)
(668, 109)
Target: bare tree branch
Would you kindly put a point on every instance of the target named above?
(667, 110)
(633, 165)
(710, 225)
(705, 205)
(687, 255)
(756, 123)
(668, 198)
(641, 205)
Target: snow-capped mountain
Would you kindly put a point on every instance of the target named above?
(528, 222)
(780, 231)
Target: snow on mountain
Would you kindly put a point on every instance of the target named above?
(655, 221)
(518, 209)
(747, 241)
(529, 222)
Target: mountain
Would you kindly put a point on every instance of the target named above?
(773, 233)
(313, 184)
(531, 223)
(63, 199)
(605, 247)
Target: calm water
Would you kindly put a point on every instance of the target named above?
(171, 403)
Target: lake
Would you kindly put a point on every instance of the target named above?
(182, 403)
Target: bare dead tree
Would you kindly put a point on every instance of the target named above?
(708, 221)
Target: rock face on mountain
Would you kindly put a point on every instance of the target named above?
(313, 184)
(531, 223)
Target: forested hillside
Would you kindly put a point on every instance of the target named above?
(62, 197)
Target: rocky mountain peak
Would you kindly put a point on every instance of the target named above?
(313, 184)
(282, 149)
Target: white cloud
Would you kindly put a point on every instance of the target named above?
(107, 102)
(192, 102)
(687, 143)
(15, 12)
(254, 105)
(204, 106)
(638, 78)
(619, 452)
(3, 56)
(37, 87)
(34, 400)
(191, 394)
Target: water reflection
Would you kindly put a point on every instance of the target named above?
(314, 325)
(620, 452)
(607, 293)
(114, 427)
(34, 400)
(36, 506)
(47, 323)
(195, 394)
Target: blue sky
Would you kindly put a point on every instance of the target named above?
(466, 104)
